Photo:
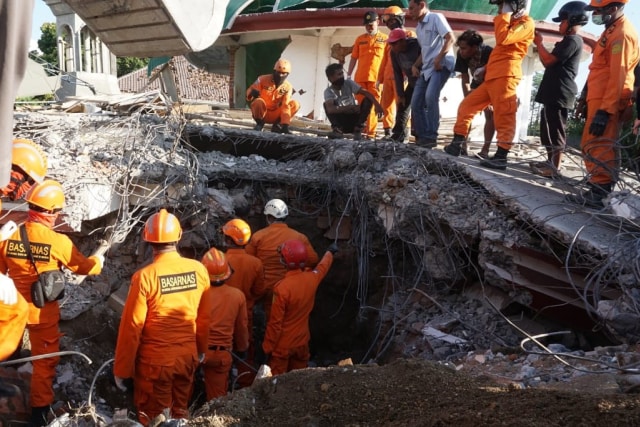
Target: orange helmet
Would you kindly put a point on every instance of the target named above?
(47, 195)
(162, 227)
(217, 265)
(293, 254)
(392, 10)
(29, 157)
(282, 66)
(238, 230)
(598, 4)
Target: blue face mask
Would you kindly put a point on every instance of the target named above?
(599, 19)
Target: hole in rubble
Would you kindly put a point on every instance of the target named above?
(267, 145)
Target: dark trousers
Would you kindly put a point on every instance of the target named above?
(403, 112)
(347, 123)
(553, 127)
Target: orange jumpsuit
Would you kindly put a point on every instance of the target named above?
(264, 245)
(274, 104)
(51, 250)
(369, 50)
(157, 336)
(609, 88)
(287, 336)
(17, 187)
(504, 71)
(227, 331)
(387, 80)
(248, 276)
(13, 319)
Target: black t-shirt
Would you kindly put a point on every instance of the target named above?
(469, 66)
(558, 86)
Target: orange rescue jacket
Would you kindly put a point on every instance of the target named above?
(264, 244)
(228, 319)
(293, 299)
(160, 315)
(513, 38)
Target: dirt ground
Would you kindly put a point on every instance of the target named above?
(415, 393)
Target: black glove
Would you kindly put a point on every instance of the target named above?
(599, 123)
(255, 93)
(333, 248)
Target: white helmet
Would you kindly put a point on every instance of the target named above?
(276, 208)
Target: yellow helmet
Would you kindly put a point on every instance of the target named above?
(392, 10)
(47, 195)
(238, 230)
(162, 227)
(29, 157)
(217, 265)
(282, 66)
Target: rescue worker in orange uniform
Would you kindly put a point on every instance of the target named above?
(50, 250)
(164, 311)
(514, 33)
(393, 17)
(264, 244)
(270, 98)
(248, 276)
(28, 166)
(609, 91)
(368, 52)
(286, 340)
(227, 325)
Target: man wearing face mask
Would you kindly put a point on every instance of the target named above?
(270, 98)
(367, 53)
(609, 91)
(341, 106)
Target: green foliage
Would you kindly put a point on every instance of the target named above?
(128, 64)
(48, 43)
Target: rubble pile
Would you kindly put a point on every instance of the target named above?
(426, 224)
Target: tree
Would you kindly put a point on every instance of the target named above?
(48, 43)
(128, 64)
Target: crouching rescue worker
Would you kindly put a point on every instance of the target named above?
(157, 336)
(286, 340)
(28, 166)
(270, 98)
(227, 325)
(32, 251)
(248, 276)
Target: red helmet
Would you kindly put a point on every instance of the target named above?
(293, 254)
(238, 230)
(217, 265)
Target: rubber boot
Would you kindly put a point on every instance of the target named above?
(259, 125)
(498, 161)
(285, 129)
(39, 416)
(455, 148)
(593, 197)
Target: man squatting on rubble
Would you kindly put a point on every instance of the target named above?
(608, 93)
(340, 104)
(557, 90)
(164, 312)
(514, 32)
(227, 326)
(33, 250)
(28, 166)
(270, 99)
(248, 276)
(286, 339)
